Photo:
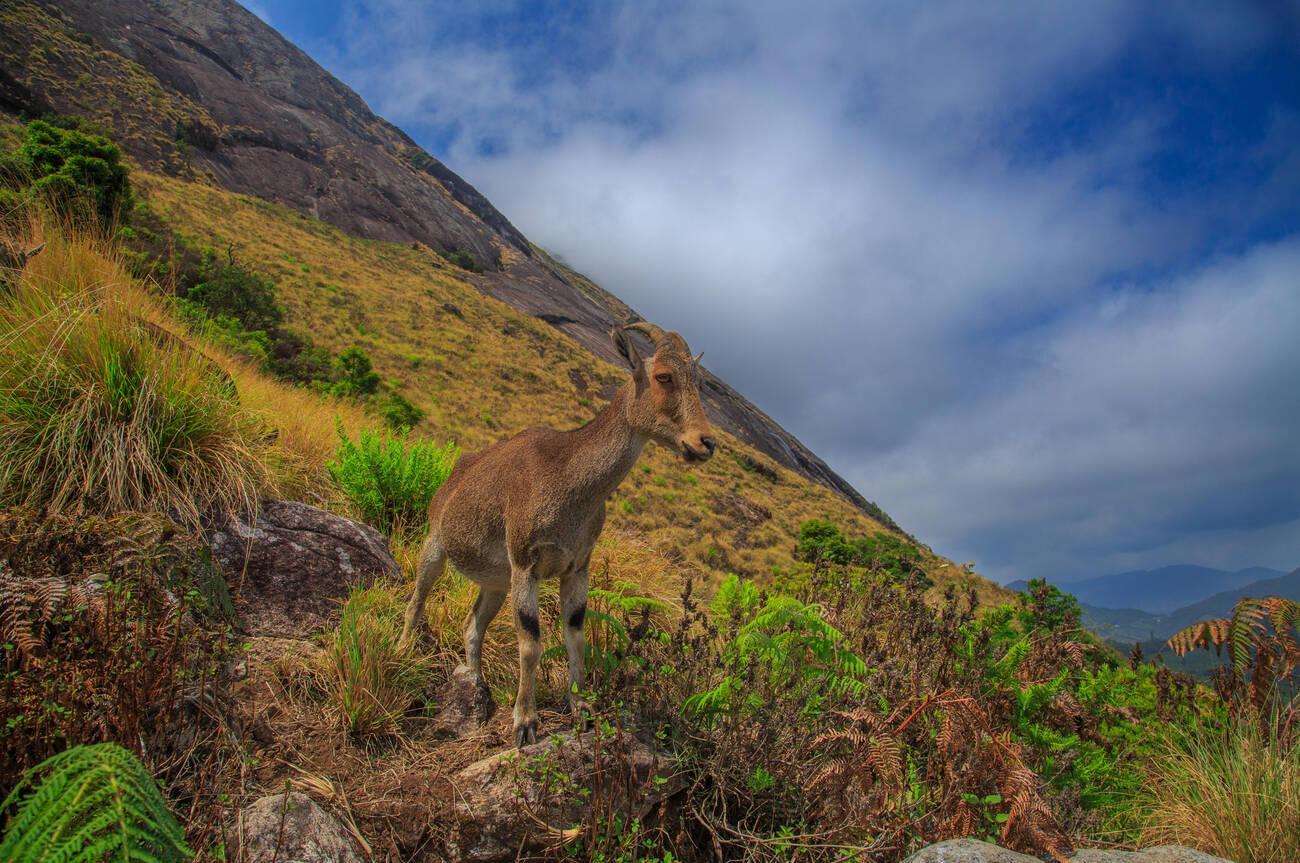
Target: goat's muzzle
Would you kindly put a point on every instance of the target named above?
(699, 453)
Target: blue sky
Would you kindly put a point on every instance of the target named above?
(1027, 274)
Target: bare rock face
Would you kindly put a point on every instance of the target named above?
(290, 828)
(466, 705)
(292, 565)
(975, 851)
(529, 798)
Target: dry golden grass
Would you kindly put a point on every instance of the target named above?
(111, 404)
(491, 371)
(102, 408)
(1232, 792)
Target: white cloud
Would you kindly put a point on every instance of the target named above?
(837, 203)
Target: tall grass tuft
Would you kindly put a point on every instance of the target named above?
(374, 680)
(104, 407)
(391, 479)
(1231, 792)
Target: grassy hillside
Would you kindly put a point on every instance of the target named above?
(482, 371)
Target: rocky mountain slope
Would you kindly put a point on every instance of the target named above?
(208, 91)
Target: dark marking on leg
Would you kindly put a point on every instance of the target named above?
(529, 622)
(577, 616)
(478, 600)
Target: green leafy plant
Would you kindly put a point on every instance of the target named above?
(91, 804)
(391, 479)
(789, 641)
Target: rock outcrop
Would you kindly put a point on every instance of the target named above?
(291, 566)
(517, 800)
(975, 851)
(289, 828)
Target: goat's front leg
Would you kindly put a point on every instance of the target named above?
(523, 599)
(573, 608)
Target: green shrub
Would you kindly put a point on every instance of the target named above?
(356, 374)
(91, 804)
(233, 290)
(787, 640)
(73, 170)
(399, 413)
(391, 479)
(374, 678)
(823, 543)
(462, 258)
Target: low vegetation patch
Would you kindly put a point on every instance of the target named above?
(107, 627)
(390, 478)
(1233, 791)
(374, 679)
(104, 404)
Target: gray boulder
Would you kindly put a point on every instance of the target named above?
(290, 828)
(975, 851)
(292, 565)
(526, 799)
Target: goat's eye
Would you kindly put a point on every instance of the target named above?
(664, 378)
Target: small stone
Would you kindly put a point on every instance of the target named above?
(467, 705)
(290, 828)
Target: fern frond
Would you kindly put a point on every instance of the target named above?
(90, 804)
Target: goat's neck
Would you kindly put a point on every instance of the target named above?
(606, 449)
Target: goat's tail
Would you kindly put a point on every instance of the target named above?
(433, 560)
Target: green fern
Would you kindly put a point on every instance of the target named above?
(92, 804)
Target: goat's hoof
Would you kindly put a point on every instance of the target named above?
(525, 734)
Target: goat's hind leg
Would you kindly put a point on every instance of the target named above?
(433, 560)
(486, 605)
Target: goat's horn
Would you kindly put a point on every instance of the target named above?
(656, 334)
(699, 357)
(34, 251)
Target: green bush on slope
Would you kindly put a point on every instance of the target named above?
(391, 479)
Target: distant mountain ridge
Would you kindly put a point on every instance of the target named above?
(1159, 591)
(1123, 626)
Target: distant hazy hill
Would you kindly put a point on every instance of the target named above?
(1159, 591)
(1123, 626)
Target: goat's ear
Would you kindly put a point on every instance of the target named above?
(34, 251)
(627, 350)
